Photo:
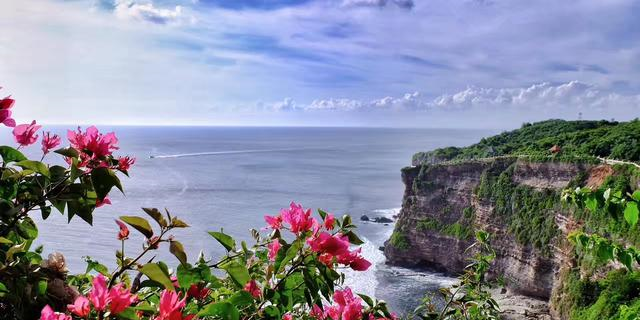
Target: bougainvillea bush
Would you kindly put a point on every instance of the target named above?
(291, 270)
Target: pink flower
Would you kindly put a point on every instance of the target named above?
(287, 316)
(360, 264)
(326, 243)
(49, 142)
(5, 112)
(25, 134)
(93, 142)
(99, 296)
(48, 314)
(354, 260)
(170, 306)
(352, 311)
(317, 313)
(80, 307)
(299, 219)
(329, 221)
(198, 293)
(274, 222)
(124, 230)
(326, 259)
(274, 247)
(6, 103)
(349, 307)
(124, 163)
(121, 298)
(100, 203)
(253, 289)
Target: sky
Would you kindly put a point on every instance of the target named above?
(396, 63)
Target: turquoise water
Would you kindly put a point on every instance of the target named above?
(229, 178)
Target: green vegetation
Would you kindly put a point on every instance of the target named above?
(606, 220)
(460, 230)
(615, 297)
(529, 213)
(578, 140)
(399, 240)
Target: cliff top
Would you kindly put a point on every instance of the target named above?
(567, 139)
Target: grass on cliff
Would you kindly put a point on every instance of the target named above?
(617, 140)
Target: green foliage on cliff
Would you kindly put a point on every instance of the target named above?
(461, 230)
(399, 240)
(529, 213)
(615, 297)
(581, 139)
(605, 220)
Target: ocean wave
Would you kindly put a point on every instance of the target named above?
(389, 213)
(366, 282)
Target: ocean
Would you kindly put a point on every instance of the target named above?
(230, 177)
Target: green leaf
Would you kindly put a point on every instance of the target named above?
(35, 166)
(222, 310)
(140, 224)
(177, 223)
(225, 240)
(11, 155)
(4, 240)
(292, 252)
(68, 152)
(97, 266)
(177, 250)
(631, 213)
(636, 195)
(128, 314)
(58, 173)
(591, 202)
(28, 229)
(188, 275)
(155, 273)
(625, 258)
(156, 215)
(46, 211)
(103, 180)
(241, 299)
(367, 299)
(322, 214)
(237, 271)
(353, 238)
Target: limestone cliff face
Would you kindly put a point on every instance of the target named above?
(440, 200)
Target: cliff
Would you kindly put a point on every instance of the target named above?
(516, 200)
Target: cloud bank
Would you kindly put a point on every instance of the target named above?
(570, 96)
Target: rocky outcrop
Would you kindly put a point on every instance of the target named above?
(442, 198)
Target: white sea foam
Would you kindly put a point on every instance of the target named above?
(365, 282)
(389, 213)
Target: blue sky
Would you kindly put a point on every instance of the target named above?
(434, 63)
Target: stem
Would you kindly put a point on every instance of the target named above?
(122, 253)
(449, 303)
(126, 267)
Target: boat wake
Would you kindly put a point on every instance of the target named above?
(227, 152)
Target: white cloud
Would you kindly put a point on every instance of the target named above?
(573, 95)
(129, 9)
(286, 105)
